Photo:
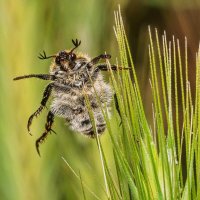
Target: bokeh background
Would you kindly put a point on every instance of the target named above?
(28, 27)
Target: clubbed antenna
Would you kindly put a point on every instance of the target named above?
(76, 43)
(44, 56)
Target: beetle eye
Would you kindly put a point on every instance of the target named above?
(72, 56)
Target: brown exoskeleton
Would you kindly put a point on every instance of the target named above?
(74, 75)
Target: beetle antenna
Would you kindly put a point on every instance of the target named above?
(76, 43)
(44, 56)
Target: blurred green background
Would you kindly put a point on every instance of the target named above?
(29, 26)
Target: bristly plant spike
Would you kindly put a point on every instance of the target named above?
(149, 168)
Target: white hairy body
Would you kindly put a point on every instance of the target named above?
(72, 87)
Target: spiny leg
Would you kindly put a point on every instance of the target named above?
(48, 125)
(104, 67)
(117, 107)
(97, 59)
(40, 76)
(46, 95)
